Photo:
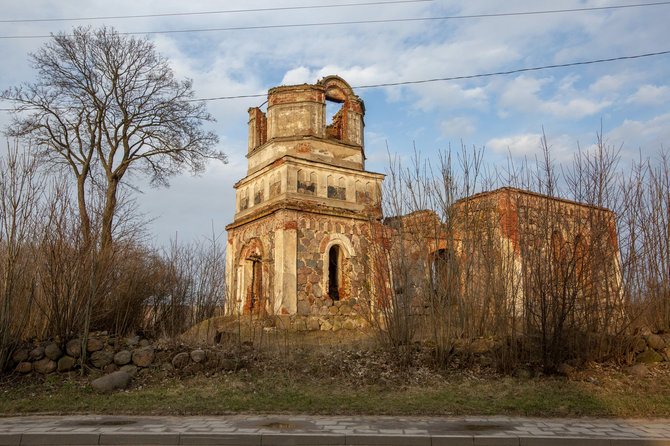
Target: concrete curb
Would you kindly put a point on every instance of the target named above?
(297, 439)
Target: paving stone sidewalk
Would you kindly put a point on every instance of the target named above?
(277, 430)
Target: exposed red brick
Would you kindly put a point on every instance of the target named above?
(303, 148)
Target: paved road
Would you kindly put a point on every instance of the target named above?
(278, 430)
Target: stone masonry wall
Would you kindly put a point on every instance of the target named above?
(316, 234)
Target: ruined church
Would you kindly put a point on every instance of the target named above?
(300, 241)
(308, 241)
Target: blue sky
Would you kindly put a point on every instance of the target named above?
(504, 114)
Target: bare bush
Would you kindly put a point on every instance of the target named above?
(537, 266)
(193, 286)
(20, 191)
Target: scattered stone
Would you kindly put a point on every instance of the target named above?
(655, 342)
(113, 381)
(229, 365)
(131, 342)
(167, 367)
(66, 363)
(523, 373)
(649, 357)
(639, 370)
(193, 368)
(334, 309)
(21, 355)
(666, 353)
(37, 353)
(565, 369)
(53, 351)
(639, 344)
(348, 325)
(24, 367)
(123, 357)
(94, 345)
(143, 356)
(130, 369)
(198, 355)
(109, 368)
(480, 346)
(73, 348)
(144, 343)
(180, 360)
(101, 358)
(345, 309)
(45, 366)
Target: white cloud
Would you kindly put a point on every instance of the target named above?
(610, 83)
(529, 145)
(458, 127)
(517, 145)
(648, 136)
(523, 93)
(296, 76)
(650, 95)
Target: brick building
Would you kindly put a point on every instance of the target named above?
(308, 241)
(299, 243)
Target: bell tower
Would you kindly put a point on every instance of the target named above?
(298, 241)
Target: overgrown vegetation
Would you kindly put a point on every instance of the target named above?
(103, 106)
(352, 380)
(551, 283)
(56, 286)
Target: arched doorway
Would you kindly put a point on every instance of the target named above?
(252, 283)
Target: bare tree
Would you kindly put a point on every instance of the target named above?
(104, 105)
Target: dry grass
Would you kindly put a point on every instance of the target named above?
(349, 381)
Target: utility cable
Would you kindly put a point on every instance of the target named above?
(228, 11)
(364, 22)
(453, 78)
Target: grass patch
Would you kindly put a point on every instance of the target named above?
(612, 395)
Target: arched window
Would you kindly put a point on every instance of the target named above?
(334, 273)
(557, 246)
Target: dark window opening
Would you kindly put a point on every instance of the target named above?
(440, 269)
(333, 272)
(306, 187)
(334, 111)
(339, 193)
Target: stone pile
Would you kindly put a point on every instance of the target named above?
(105, 353)
(649, 348)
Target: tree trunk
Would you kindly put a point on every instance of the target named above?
(108, 214)
(83, 212)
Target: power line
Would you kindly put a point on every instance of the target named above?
(364, 22)
(454, 78)
(519, 70)
(229, 11)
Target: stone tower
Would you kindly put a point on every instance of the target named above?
(300, 240)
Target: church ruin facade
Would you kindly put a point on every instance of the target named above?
(300, 240)
(308, 240)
